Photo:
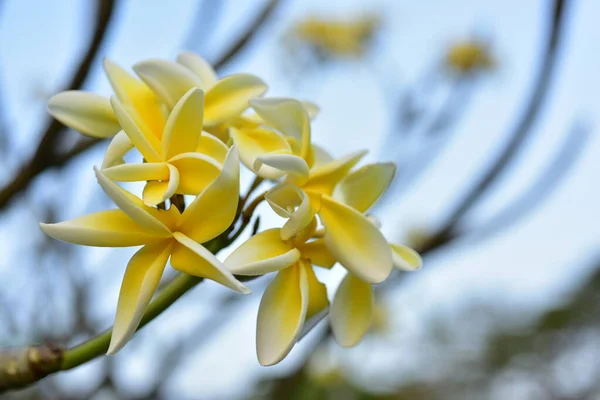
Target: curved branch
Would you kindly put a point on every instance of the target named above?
(46, 154)
(522, 130)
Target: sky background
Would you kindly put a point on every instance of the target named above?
(530, 265)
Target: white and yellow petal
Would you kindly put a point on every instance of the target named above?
(293, 166)
(138, 172)
(281, 314)
(351, 313)
(148, 145)
(254, 143)
(213, 147)
(213, 210)
(200, 67)
(167, 79)
(289, 201)
(139, 284)
(144, 106)
(317, 253)
(317, 292)
(229, 97)
(194, 259)
(134, 207)
(156, 192)
(196, 172)
(85, 112)
(288, 116)
(355, 242)
(324, 178)
(263, 253)
(405, 258)
(117, 148)
(184, 126)
(361, 188)
(109, 228)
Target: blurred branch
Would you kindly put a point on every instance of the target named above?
(46, 155)
(517, 137)
(557, 169)
(248, 35)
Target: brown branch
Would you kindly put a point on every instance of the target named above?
(46, 155)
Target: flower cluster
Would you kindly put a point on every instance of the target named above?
(193, 130)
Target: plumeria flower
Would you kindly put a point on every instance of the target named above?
(163, 234)
(226, 98)
(279, 142)
(293, 296)
(351, 238)
(92, 114)
(150, 100)
(185, 160)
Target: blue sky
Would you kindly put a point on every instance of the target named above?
(533, 263)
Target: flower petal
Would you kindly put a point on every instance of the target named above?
(213, 210)
(317, 253)
(212, 147)
(294, 167)
(85, 112)
(139, 284)
(291, 202)
(405, 258)
(148, 145)
(200, 67)
(253, 143)
(184, 125)
(281, 314)
(229, 97)
(158, 192)
(361, 189)
(355, 242)
(117, 148)
(109, 228)
(323, 179)
(311, 108)
(321, 156)
(138, 172)
(146, 108)
(133, 206)
(288, 116)
(194, 259)
(352, 311)
(317, 292)
(196, 172)
(169, 80)
(263, 253)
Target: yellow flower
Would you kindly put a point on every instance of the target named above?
(469, 57)
(162, 234)
(337, 38)
(293, 296)
(149, 101)
(185, 160)
(351, 238)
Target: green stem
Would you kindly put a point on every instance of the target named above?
(98, 345)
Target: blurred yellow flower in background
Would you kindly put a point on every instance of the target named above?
(469, 56)
(337, 38)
